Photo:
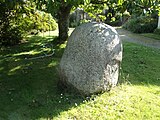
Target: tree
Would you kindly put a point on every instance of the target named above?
(159, 20)
(9, 32)
(60, 9)
(151, 7)
(142, 7)
(158, 8)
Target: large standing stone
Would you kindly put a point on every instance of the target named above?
(92, 57)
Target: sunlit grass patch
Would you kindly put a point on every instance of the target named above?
(124, 103)
(137, 95)
(28, 87)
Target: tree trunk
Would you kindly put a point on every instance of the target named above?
(159, 22)
(63, 21)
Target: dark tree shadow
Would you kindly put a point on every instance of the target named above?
(28, 87)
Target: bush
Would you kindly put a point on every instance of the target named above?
(16, 22)
(157, 31)
(11, 35)
(72, 20)
(38, 21)
(143, 24)
(115, 23)
(13, 30)
(84, 21)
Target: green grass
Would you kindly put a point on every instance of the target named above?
(152, 35)
(28, 87)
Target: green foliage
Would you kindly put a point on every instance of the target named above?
(141, 7)
(75, 24)
(10, 33)
(32, 19)
(39, 21)
(72, 20)
(108, 11)
(84, 21)
(157, 31)
(142, 24)
(17, 19)
(54, 6)
(93, 9)
(60, 10)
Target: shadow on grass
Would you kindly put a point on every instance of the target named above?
(28, 87)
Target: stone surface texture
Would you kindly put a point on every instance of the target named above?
(91, 60)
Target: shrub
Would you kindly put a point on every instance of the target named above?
(157, 31)
(38, 21)
(72, 20)
(114, 23)
(143, 24)
(16, 22)
(119, 19)
(12, 30)
(11, 35)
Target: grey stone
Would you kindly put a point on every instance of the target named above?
(91, 60)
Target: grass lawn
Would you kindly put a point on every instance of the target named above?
(28, 86)
(152, 35)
